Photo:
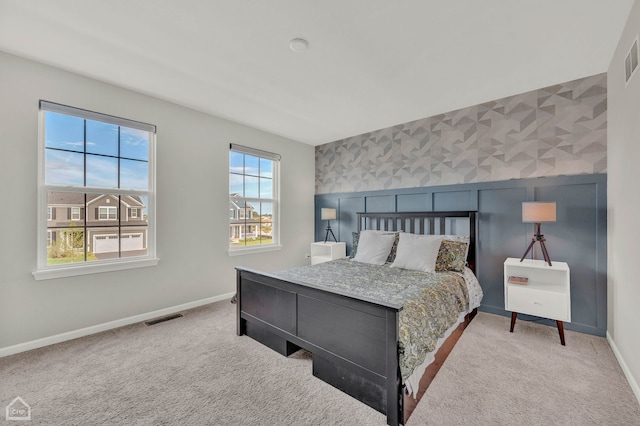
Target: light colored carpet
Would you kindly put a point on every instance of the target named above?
(188, 371)
(493, 377)
(196, 371)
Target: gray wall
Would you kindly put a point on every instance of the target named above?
(624, 203)
(578, 237)
(556, 130)
(192, 207)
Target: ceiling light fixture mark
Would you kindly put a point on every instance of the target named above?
(298, 45)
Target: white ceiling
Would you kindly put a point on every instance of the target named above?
(370, 64)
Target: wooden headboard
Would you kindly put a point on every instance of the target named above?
(423, 223)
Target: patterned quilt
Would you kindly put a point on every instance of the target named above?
(432, 302)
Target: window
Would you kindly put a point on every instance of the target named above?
(92, 168)
(75, 213)
(134, 214)
(253, 200)
(107, 213)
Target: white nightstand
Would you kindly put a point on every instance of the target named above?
(547, 292)
(324, 252)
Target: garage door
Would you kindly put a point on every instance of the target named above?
(105, 243)
(131, 242)
(109, 243)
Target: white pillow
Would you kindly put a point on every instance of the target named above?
(417, 252)
(374, 247)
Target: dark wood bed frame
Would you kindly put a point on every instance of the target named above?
(354, 342)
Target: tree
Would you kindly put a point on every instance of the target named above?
(74, 236)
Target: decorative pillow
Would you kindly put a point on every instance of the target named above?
(394, 247)
(460, 239)
(452, 256)
(354, 246)
(417, 252)
(374, 247)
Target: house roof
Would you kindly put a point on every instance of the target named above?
(241, 204)
(77, 199)
(368, 66)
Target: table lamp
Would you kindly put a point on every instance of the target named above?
(538, 212)
(328, 215)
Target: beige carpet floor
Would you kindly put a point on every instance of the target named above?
(493, 377)
(188, 371)
(195, 371)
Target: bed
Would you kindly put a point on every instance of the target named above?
(359, 335)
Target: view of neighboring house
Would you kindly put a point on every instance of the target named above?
(109, 230)
(245, 222)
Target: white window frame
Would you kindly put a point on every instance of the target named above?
(49, 213)
(110, 213)
(275, 202)
(75, 213)
(134, 213)
(45, 271)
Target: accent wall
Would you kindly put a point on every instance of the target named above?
(578, 236)
(556, 130)
(548, 144)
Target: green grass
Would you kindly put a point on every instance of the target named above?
(257, 241)
(74, 259)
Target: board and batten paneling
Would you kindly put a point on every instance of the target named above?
(578, 237)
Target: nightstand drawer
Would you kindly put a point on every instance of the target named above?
(536, 302)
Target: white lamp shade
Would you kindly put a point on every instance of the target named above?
(327, 214)
(536, 212)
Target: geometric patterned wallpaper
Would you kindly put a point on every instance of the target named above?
(557, 130)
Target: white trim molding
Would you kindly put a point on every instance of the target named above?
(254, 249)
(62, 337)
(95, 267)
(625, 368)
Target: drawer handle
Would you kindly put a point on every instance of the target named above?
(537, 303)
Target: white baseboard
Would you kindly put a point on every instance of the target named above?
(625, 368)
(46, 341)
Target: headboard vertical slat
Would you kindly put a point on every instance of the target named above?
(432, 228)
(443, 225)
(422, 219)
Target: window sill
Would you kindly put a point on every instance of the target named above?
(95, 268)
(252, 250)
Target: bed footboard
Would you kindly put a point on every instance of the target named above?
(354, 342)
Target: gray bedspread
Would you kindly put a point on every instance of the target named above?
(432, 302)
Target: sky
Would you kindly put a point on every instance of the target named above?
(104, 147)
(252, 177)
